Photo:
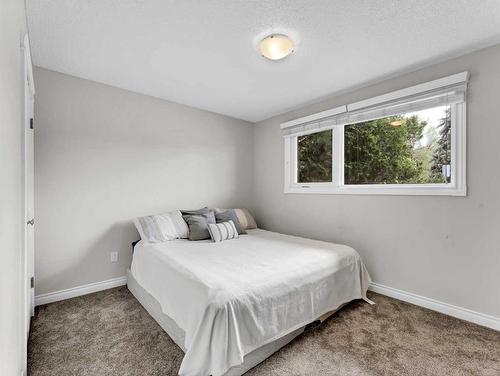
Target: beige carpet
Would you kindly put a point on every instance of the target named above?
(109, 333)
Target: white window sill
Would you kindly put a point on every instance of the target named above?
(379, 189)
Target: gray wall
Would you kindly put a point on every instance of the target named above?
(12, 30)
(445, 248)
(104, 156)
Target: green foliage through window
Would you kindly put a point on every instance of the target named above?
(314, 157)
(442, 153)
(408, 149)
(398, 150)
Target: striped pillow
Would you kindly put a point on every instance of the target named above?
(222, 231)
(160, 228)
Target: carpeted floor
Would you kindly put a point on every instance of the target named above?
(109, 333)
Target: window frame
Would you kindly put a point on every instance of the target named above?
(457, 186)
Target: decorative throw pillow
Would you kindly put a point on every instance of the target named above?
(204, 210)
(244, 217)
(223, 231)
(160, 228)
(198, 225)
(247, 218)
(230, 215)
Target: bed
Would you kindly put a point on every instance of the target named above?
(230, 305)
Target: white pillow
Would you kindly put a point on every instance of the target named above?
(222, 231)
(160, 228)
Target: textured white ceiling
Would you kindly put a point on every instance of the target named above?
(204, 53)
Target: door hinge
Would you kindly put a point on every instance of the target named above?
(32, 282)
(31, 124)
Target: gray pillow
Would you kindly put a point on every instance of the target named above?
(198, 225)
(204, 210)
(230, 215)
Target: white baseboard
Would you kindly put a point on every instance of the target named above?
(435, 305)
(79, 290)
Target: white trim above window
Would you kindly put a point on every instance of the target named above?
(448, 91)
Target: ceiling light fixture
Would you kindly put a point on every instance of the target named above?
(276, 46)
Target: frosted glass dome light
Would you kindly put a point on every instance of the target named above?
(276, 47)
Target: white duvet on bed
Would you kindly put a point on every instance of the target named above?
(233, 297)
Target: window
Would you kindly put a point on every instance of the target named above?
(413, 148)
(408, 142)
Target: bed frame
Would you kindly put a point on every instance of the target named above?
(253, 358)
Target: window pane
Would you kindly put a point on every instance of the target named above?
(414, 148)
(314, 157)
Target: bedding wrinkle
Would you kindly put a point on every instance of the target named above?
(233, 297)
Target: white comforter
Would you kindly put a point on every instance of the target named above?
(233, 297)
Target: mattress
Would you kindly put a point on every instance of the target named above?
(177, 334)
(234, 297)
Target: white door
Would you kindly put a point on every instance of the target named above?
(29, 217)
(29, 202)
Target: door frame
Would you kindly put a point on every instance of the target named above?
(28, 163)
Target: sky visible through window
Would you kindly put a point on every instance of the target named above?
(432, 116)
